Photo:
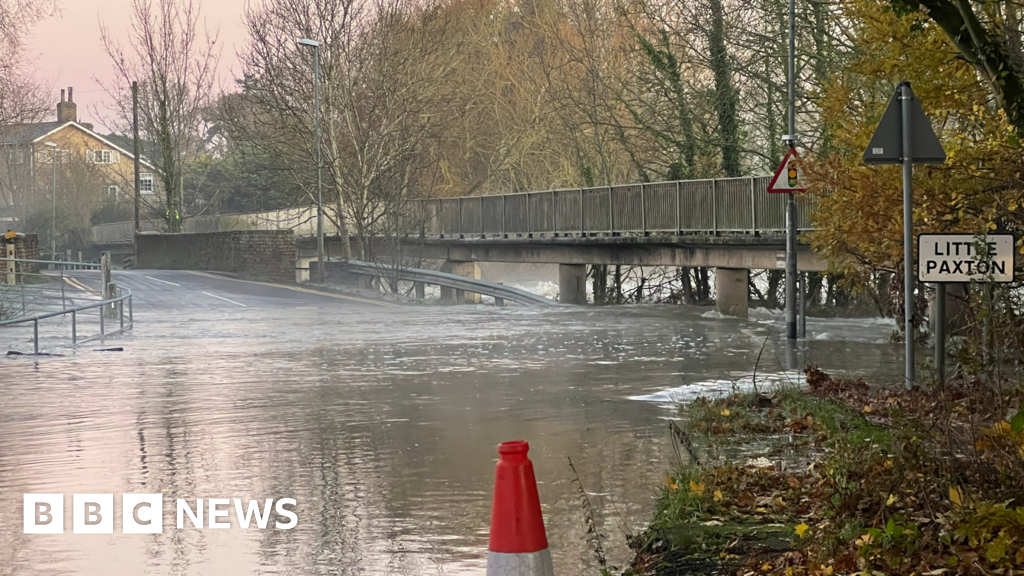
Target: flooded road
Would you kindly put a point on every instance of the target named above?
(380, 422)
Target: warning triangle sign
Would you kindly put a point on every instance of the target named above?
(790, 175)
(886, 146)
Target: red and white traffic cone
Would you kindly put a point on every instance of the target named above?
(519, 546)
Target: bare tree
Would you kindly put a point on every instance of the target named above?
(176, 65)
(381, 70)
(18, 15)
(23, 99)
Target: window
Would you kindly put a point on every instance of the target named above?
(65, 156)
(103, 156)
(16, 156)
(112, 191)
(145, 183)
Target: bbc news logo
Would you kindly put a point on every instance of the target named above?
(143, 513)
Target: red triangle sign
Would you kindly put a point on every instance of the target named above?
(790, 175)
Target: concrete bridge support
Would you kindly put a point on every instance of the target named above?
(467, 269)
(572, 283)
(731, 291)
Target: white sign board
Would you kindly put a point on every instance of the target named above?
(964, 257)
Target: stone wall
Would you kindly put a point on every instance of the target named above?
(262, 254)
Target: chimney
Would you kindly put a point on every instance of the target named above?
(67, 111)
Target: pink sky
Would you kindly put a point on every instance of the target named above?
(68, 52)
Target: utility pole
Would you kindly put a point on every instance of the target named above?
(53, 199)
(790, 198)
(135, 135)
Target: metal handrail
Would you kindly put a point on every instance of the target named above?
(58, 262)
(124, 294)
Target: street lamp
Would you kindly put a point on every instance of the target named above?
(306, 42)
(53, 215)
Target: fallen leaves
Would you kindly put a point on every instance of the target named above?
(912, 499)
(696, 488)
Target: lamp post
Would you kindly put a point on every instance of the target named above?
(53, 214)
(319, 163)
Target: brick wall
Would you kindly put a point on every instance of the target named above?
(262, 254)
(27, 247)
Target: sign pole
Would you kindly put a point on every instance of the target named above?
(790, 198)
(940, 332)
(908, 233)
(898, 140)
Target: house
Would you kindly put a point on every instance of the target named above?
(28, 153)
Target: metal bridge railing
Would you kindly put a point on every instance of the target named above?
(724, 205)
(111, 309)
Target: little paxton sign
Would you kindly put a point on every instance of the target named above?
(964, 257)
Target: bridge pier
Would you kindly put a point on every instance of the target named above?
(420, 289)
(731, 297)
(572, 283)
(467, 269)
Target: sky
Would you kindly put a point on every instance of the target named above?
(67, 49)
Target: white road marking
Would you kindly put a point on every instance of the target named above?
(226, 299)
(164, 281)
(297, 289)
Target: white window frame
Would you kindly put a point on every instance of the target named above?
(103, 156)
(16, 156)
(113, 191)
(146, 183)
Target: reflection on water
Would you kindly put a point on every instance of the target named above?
(382, 423)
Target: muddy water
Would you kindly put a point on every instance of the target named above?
(380, 423)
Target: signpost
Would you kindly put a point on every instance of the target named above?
(905, 136)
(956, 258)
(789, 178)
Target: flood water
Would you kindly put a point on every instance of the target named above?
(381, 423)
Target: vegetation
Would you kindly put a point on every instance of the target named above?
(860, 480)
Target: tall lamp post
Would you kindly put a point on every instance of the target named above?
(319, 163)
(53, 214)
(791, 263)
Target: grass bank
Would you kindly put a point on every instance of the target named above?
(843, 478)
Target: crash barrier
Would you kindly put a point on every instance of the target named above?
(454, 281)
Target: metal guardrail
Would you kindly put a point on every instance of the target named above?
(739, 205)
(105, 306)
(448, 280)
(723, 205)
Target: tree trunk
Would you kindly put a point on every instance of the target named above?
(725, 93)
(684, 275)
(983, 48)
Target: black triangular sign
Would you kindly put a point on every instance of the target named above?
(886, 146)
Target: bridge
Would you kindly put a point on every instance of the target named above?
(730, 224)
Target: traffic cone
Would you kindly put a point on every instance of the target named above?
(519, 546)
